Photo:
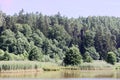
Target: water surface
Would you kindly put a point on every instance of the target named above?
(64, 74)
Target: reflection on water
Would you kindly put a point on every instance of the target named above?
(65, 74)
(91, 74)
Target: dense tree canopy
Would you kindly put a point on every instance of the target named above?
(34, 35)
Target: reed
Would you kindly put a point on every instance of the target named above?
(117, 66)
(70, 68)
(18, 65)
(49, 66)
(96, 65)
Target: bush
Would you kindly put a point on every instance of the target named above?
(72, 56)
(7, 56)
(46, 58)
(1, 54)
(92, 52)
(87, 57)
(111, 58)
(35, 54)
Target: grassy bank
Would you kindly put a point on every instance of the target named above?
(117, 66)
(48, 66)
(95, 65)
(13, 66)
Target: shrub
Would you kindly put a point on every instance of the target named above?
(72, 56)
(111, 58)
(87, 57)
(92, 52)
(7, 56)
(35, 54)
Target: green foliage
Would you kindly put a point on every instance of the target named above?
(46, 58)
(1, 52)
(27, 30)
(53, 35)
(7, 40)
(89, 38)
(117, 52)
(73, 57)
(18, 27)
(57, 32)
(35, 54)
(87, 57)
(46, 46)
(22, 44)
(92, 52)
(111, 58)
(7, 56)
(2, 18)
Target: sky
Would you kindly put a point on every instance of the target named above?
(69, 8)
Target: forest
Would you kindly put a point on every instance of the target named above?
(38, 37)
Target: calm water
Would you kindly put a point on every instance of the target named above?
(64, 74)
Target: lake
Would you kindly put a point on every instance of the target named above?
(64, 74)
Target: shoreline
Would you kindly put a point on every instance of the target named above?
(33, 66)
(58, 79)
(42, 70)
(22, 70)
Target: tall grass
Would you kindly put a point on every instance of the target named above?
(117, 66)
(26, 65)
(96, 65)
(49, 66)
(18, 65)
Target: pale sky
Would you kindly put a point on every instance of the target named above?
(69, 8)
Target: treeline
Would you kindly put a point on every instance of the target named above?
(34, 36)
